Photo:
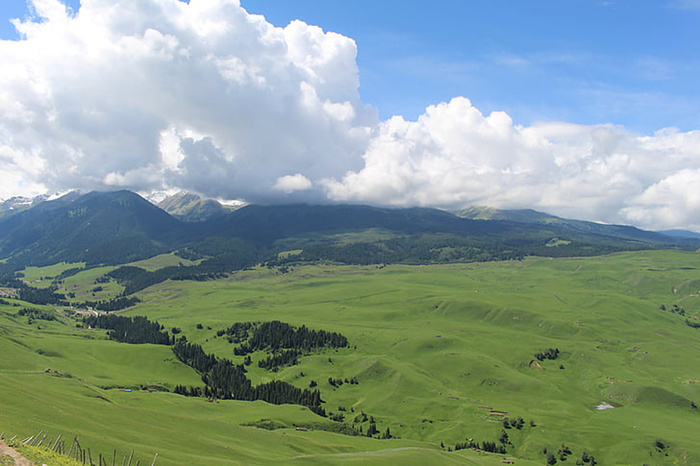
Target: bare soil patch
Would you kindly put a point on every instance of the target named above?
(16, 459)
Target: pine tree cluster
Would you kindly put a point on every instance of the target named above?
(111, 305)
(36, 314)
(226, 380)
(276, 335)
(279, 359)
(238, 332)
(550, 353)
(41, 296)
(515, 422)
(135, 330)
(486, 445)
(286, 342)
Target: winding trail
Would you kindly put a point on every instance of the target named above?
(6, 450)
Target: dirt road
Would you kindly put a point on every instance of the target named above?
(9, 456)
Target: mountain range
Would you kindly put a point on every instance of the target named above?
(119, 227)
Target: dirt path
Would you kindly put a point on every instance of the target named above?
(18, 459)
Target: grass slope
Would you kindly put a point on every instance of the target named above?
(441, 353)
(71, 382)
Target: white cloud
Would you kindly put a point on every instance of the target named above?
(111, 96)
(454, 156)
(672, 201)
(292, 183)
(162, 94)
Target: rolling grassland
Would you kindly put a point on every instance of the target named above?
(441, 354)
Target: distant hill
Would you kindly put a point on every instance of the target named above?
(681, 234)
(190, 207)
(17, 204)
(614, 231)
(120, 227)
(523, 216)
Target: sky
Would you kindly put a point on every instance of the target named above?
(586, 109)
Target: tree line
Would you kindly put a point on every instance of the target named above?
(285, 342)
(135, 330)
(416, 249)
(276, 335)
(36, 314)
(486, 445)
(111, 305)
(228, 381)
(222, 378)
(40, 296)
(135, 279)
(280, 359)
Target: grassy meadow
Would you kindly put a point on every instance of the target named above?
(441, 353)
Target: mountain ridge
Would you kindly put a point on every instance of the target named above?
(190, 207)
(532, 216)
(121, 226)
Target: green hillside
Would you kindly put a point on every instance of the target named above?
(441, 354)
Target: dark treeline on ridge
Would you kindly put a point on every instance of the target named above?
(135, 279)
(111, 305)
(276, 335)
(135, 330)
(222, 256)
(41, 295)
(218, 256)
(33, 295)
(423, 249)
(285, 342)
(226, 380)
(36, 314)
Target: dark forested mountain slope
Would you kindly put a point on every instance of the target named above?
(269, 223)
(94, 228)
(119, 227)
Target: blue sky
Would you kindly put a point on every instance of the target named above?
(628, 62)
(586, 109)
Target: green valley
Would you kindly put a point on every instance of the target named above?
(441, 355)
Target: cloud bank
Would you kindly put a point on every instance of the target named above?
(162, 94)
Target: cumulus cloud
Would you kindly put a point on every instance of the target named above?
(162, 93)
(674, 200)
(454, 156)
(291, 183)
(203, 96)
